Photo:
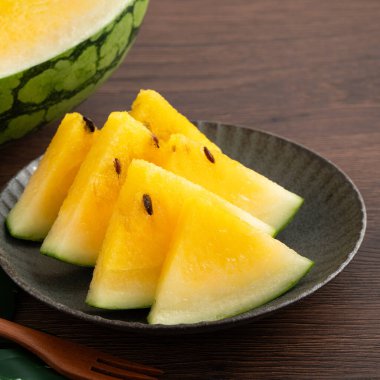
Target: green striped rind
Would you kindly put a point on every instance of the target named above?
(46, 91)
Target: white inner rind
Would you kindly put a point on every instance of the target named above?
(35, 31)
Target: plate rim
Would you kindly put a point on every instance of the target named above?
(204, 326)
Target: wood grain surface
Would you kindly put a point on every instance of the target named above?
(307, 70)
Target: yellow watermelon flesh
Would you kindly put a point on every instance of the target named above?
(79, 229)
(157, 114)
(219, 266)
(140, 232)
(36, 210)
(229, 179)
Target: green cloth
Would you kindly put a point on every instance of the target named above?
(19, 364)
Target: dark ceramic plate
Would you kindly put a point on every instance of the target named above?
(328, 229)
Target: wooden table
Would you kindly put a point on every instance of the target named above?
(307, 70)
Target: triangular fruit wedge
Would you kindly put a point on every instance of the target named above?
(156, 113)
(219, 266)
(231, 180)
(78, 232)
(139, 234)
(36, 210)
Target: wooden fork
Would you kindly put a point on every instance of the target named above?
(74, 360)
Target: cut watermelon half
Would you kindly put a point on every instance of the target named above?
(54, 56)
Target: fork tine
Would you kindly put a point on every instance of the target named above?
(109, 372)
(128, 365)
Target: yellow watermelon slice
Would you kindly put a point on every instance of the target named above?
(77, 234)
(219, 266)
(139, 235)
(157, 114)
(231, 180)
(36, 210)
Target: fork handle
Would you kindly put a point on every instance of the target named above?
(50, 348)
(32, 340)
(37, 342)
(24, 336)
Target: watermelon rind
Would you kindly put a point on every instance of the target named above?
(18, 236)
(291, 216)
(46, 91)
(68, 260)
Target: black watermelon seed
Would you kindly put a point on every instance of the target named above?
(147, 200)
(146, 124)
(155, 140)
(117, 166)
(89, 124)
(208, 154)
